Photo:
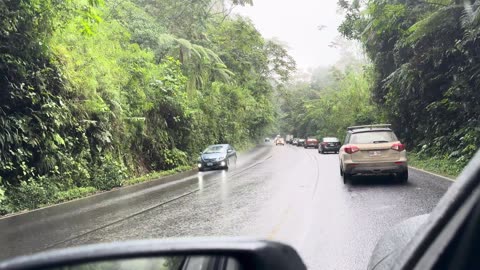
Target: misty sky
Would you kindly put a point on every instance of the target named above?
(296, 23)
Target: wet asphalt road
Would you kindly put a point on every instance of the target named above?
(288, 194)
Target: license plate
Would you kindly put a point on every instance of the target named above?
(375, 153)
(209, 164)
(331, 144)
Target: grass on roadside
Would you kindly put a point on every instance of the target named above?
(155, 175)
(439, 165)
(81, 192)
(74, 193)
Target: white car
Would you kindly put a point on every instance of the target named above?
(280, 141)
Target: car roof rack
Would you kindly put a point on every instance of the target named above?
(370, 126)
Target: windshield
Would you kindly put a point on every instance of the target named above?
(215, 149)
(159, 119)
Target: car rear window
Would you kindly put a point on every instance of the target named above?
(330, 140)
(373, 137)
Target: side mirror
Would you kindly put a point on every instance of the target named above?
(191, 254)
(229, 151)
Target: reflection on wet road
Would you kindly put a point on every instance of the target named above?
(288, 194)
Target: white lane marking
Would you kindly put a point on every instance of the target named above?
(437, 175)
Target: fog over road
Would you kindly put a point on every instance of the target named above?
(282, 193)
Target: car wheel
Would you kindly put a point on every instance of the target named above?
(341, 171)
(234, 160)
(226, 166)
(346, 178)
(323, 151)
(403, 177)
(201, 169)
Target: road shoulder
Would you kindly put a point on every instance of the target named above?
(431, 173)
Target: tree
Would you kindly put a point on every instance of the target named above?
(329, 111)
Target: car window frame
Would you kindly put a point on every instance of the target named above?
(347, 138)
(335, 139)
(427, 245)
(223, 148)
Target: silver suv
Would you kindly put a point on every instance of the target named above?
(373, 150)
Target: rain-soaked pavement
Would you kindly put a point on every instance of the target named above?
(288, 194)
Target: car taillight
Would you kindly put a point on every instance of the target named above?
(398, 147)
(323, 143)
(350, 149)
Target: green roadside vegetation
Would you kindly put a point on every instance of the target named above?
(95, 92)
(156, 175)
(81, 192)
(439, 165)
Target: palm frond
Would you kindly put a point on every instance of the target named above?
(471, 15)
(166, 39)
(430, 24)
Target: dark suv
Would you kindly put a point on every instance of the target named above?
(329, 144)
(301, 142)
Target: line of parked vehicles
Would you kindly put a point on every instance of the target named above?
(325, 145)
(366, 150)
